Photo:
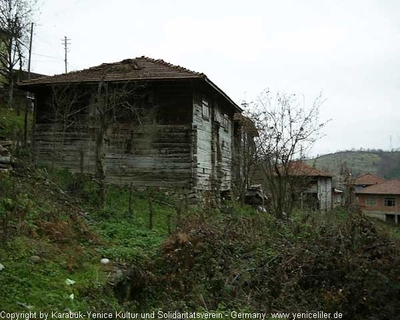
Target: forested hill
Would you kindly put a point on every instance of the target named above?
(385, 164)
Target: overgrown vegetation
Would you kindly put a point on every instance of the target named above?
(167, 256)
(59, 227)
(11, 124)
(258, 263)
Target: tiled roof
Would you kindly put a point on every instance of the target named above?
(367, 179)
(302, 169)
(387, 187)
(138, 69)
(142, 68)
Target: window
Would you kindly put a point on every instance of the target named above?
(225, 122)
(390, 202)
(370, 202)
(205, 109)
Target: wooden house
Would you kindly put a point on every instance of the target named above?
(312, 188)
(173, 127)
(317, 193)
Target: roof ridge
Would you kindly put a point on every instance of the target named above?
(168, 64)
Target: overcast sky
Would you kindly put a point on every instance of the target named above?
(347, 49)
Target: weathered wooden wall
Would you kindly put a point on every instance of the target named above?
(325, 193)
(160, 155)
(180, 148)
(157, 153)
(214, 145)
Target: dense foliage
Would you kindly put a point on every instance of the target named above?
(257, 263)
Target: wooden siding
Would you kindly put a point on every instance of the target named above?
(160, 154)
(181, 148)
(213, 154)
(325, 193)
(225, 145)
(203, 128)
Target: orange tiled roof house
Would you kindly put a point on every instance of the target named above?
(381, 200)
(366, 180)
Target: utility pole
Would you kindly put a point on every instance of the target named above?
(29, 97)
(66, 43)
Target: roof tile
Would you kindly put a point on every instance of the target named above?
(367, 179)
(141, 68)
(391, 187)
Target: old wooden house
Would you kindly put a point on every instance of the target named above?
(317, 193)
(166, 126)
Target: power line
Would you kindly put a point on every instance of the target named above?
(66, 42)
(45, 56)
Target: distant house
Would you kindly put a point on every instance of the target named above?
(185, 138)
(337, 197)
(318, 193)
(366, 180)
(381, 200)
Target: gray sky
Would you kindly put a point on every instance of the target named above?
(347, 49)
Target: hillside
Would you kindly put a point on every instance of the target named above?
(163, 255)
(385, 164)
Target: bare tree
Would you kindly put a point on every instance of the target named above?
(113, 102)
(15, 17)
(65, 115)
(286, 132)
(245, 153)
(97, 113)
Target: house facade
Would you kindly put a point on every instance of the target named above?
(381, 200)
(318, 193)
(171, 127)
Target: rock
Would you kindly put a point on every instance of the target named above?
(6, 143)
(4, 152)
(5, 160)
(69, 282)
(35, 259)
(24, 305)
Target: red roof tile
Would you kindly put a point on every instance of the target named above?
(367, 179)
(302, 169)
(138, 69)
(387, 187)
(142, 68)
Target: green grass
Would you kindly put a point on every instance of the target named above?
(42, 285)
(44, 222)
(11, 123)
(229, 259)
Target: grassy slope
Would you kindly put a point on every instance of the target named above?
(70, 238)
(10, 122)
(242, 261)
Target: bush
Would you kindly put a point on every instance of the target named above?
(257, 264)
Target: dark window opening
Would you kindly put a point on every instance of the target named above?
(390, 202)
(390, 218)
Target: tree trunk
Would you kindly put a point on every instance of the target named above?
(100, 165)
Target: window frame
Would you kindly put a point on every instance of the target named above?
(225, 122)
(205, 109)
(371, 201)
(389, 201)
